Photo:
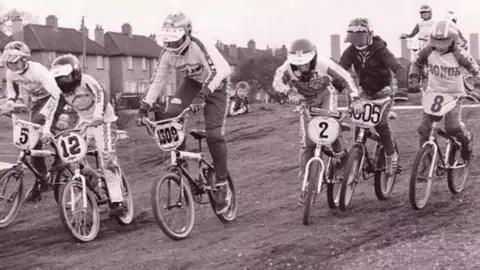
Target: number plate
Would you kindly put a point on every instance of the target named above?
(169, 135)
(71, 147)
(371, 116)
(25, 134)
(323, 130)
(438, 104)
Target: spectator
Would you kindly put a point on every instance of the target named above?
(240, 103)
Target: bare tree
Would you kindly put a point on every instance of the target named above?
(6, 19)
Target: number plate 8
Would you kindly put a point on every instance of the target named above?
(323, 130)
(25, 134)
(438, 104)
(71, 147)
(169, 136)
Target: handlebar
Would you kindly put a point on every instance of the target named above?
(145, 120)
(323, 112)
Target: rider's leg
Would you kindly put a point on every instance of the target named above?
(215, 114)
(383, 130)
(424, 128)
(455, 127)
(105, 140)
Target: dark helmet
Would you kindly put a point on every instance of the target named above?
(360, 33)
(302, 51)
(67, 72)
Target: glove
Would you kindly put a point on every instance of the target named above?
(198, 103)
(357, 106)
(46, 135)
(97, 121)
(8, 107)
(142, 112)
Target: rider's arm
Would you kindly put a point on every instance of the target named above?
(281, 78)
(13, 91)
(462, 41)
(98, 92)
(218, 67)
(465, 59)
(158, 80)
(337, 73)
(420, 62)
(400, 73)
(414, 32)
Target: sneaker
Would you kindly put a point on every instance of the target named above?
(467, 149)
(34, 195)
(221, 200)
(117, 209)
(400, 95)
(392, 164)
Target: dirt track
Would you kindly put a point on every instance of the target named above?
(268, 233)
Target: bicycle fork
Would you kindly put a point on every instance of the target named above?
(316, 157)
(431, 141)
(78, 175)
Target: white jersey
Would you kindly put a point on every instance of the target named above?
(424, 28)
(88, 100)
(37, 82)
(201, 61)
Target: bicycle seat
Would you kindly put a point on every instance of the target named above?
(345, 127)
(198, 134)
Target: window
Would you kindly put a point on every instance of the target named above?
(143, 87)
(130, 87)
(156, 62)
(51, 56)
(1, 63)
(99, 62)
(130, 62)
(144, 63)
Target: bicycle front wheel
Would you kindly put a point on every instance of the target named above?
(80, 217)
(127, 217)
(312, 178)
(421, 177)
(11, 195)
(175, 199)
(350, 178)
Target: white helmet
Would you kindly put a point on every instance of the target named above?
(451, 16)
(175, 33)
(15, 56)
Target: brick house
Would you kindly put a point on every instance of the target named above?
(133, 59)
(50, 41)
(4, 40)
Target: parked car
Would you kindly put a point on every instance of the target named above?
(18, 107)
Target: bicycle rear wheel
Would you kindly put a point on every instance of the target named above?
(420, 175)
(333, 188)
(173, 200)
(14, 198)
(457, 176)
(350, 178)
(383, 185)
(231, 213)
(82, 226)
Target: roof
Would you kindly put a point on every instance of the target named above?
(119, 44)
(4, 40)
(250, 53)
(63, 40)
(231, 61)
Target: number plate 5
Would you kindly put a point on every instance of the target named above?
(71, 147)
(438, 104)
(169, 136)
(323, 130)
(25, 134)
(371, 116)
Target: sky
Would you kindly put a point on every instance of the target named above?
(268, 22)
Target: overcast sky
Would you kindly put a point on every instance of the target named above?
(269, 22)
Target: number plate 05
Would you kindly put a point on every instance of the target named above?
(371, 116)
(169, 136)
(438, 104)
(71, 147)
(25, 136)
(323, 130)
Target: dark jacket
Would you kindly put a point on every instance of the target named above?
(373, 66)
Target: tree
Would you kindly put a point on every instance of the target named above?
(259, 73)
(7, 17)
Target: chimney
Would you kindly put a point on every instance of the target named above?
(52, 21)
(84, 30)
(335, 47)
(219, 44)
(251, 44)
(17, 28)
(233, 50)
(226, 49)
(153, 37)
(127, 29)
(474, 48)
(99, 35)
(404, 50)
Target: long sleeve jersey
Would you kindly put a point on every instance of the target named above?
(201, 61)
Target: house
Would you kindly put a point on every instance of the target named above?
(4, 40)
(49, 41)
(224, 49)
(133, 59)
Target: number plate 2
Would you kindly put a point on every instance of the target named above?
(169, 135)
(438, 104)
(371, 116)
(71, 147)
(25, 134)
(323, 130)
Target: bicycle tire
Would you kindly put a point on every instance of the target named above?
(414, 175)
(454, 189)
(127, 217)
(154, 200)
(354, 160)
(231, 213)
(18, 200)
(313, 171)
(331, 194)
(379, 175)
(63, 213)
